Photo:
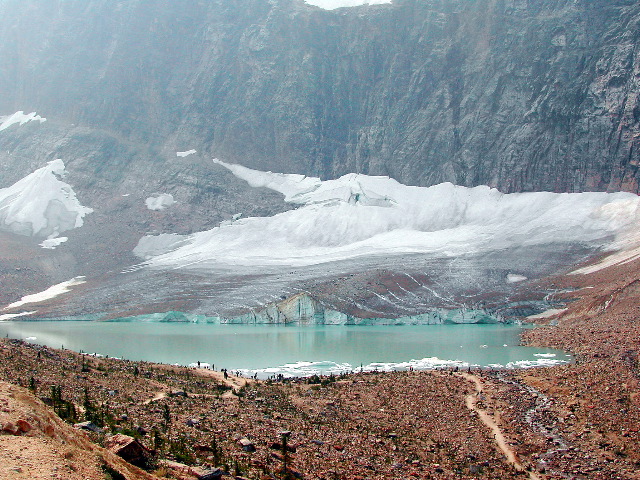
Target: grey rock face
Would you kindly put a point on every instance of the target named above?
(515, 94)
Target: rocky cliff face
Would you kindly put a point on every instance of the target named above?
(515, 94)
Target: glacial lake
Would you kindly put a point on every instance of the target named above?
(293, 350)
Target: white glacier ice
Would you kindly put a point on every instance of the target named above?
(19, 118)
(41, 204)
(185, 154)
(515, 278)
(333, 4)
(160, 202)
(47, 294)
(359, 216)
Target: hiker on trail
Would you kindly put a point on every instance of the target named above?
(198, 363)
(224, 370)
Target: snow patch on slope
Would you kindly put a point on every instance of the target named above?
(333, 4)
(160, 202)
(47, 294)
(10, 316)
(52, 243)
(359, 215)
(185, 154)
(41, 204)
(19, 118)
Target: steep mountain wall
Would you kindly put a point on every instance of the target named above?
(518, 94)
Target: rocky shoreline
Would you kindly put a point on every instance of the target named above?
(577, 421)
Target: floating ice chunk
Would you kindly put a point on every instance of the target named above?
(160, 202)
(47, 294)
(307, 369)
(41, 204)
(200, 365)
(185, 154)
(541, 362)
(19, 118)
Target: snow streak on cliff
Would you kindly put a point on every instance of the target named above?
(333, 4)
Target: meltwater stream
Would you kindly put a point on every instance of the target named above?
(294, 350)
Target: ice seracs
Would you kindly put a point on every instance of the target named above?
(358, 216)
(41, 205)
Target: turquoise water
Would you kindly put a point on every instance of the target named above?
(293, 350)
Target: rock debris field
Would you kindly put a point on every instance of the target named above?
(577, 421)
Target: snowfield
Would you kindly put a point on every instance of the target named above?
(48, 294)
(185, 154)
(19, 118)
(160, 202)
(366, 216)
(41, 205)
(333, 4)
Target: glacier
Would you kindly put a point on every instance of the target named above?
(333, 4)
(361, 216)
(41, 205)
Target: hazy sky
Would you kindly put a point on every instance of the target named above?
(331, 4)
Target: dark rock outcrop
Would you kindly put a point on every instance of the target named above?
(515, 94)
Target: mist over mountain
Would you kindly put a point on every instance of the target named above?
(139, 96)
(513, 94)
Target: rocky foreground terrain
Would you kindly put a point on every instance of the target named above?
(576, 421)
